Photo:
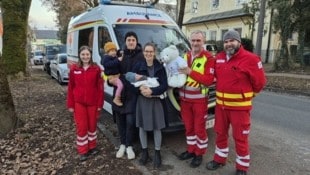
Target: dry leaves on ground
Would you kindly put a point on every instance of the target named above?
(46, 142)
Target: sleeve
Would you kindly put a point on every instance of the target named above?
(256, 74)
(71, 84)
(208, 77)
(110, 63)
(100, 89)
(163, 83)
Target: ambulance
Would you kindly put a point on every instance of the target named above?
(110, 21)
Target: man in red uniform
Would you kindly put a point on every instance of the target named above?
(239, 77)
(194, 98)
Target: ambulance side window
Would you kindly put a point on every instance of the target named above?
(103, 37)
(86, 37)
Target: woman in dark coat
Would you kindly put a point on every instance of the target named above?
(125, 115)
(150, 114)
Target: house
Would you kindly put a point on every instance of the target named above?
(44, 37)
(215, 17)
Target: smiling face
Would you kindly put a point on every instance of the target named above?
(197, 40)
(85, 57)
(149, 53)
(231, 46)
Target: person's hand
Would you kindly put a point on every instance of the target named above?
(120, 58)
(146, 91)
(185, 70)
(71, 110)
(98, 109)
(138, 77)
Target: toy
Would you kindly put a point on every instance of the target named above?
(170, 57)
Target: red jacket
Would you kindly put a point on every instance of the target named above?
(202, 80)
(85, 86)
(238, 79)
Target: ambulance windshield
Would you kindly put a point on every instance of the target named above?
(161, 35)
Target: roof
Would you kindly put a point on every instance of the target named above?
(218, 16)
(46, 34)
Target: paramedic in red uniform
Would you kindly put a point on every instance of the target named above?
(85, 99)
(239, 77)
(194, 98)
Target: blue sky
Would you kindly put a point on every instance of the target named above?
(41, 17)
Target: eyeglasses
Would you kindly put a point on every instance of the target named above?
(196, 40)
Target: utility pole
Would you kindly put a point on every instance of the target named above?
(260, 27)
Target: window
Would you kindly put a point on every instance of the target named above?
(86, 37)
(240, 2)
(212, 36)
(215, 4)
(194, 6)
(103, 37)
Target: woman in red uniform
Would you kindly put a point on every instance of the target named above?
(85, 100)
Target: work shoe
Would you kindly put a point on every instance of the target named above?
(186, 155)
(240, 172)
(117, 101)
(157, 159)
(83, 157)
(144, 157)
(196, 161)
(93, 151)
(121, 151)
(130, 153)
(213, 165)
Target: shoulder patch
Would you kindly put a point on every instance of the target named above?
(260, 65)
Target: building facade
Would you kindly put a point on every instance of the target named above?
(215, 17)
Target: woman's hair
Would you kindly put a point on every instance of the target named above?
(150, 44)
(91, 62)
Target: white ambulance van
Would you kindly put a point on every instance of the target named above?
(110, 22)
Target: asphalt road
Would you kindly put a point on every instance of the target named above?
(279, 141)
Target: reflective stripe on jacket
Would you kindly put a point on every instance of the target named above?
(238, 79)
(196, 86)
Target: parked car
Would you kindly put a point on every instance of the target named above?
(211, 48)
(59, 69)
(37, 57)
(49, 53)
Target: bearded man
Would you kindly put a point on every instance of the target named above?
(239, 78)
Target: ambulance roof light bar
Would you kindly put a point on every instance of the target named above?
(109, 2)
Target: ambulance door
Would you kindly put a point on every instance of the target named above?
(103, 36)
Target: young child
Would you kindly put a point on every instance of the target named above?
(111, 64)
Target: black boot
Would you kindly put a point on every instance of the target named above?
(157, 159)
(144, 156)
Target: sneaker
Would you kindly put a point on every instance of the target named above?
(186, 155)
(130, 153)
(196, 161)
(213, 165)
(121, 151)
(240, 172)
(93, 151)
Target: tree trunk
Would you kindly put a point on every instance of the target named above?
(8, 117)
(180, 16)
(15, 23)
(14, 58)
